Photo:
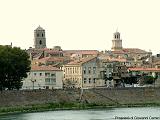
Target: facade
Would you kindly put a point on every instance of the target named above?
(39, 38)
(43, 77)
(82, 73)
(112, 71)
(106, 68)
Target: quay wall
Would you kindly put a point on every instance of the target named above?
(98, 96)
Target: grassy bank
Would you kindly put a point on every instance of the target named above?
(68, 106)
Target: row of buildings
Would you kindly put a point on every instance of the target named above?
(54, 68)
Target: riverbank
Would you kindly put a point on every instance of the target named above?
(44, 100)
(68, 106)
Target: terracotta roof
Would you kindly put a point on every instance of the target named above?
(94, 52)
(53, 51)
(45, 50)
(55, 59)
(81, 61)
(129, 50)
(133, 50)
(44, 68)
(50, 59)
(144, 69)
(118, 59)
(118, 52)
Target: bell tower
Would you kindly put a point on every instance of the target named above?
(116, 42)
(39, 38)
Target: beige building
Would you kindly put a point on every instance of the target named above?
(82, 73)
(43, 77)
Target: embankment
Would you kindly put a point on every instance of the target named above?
(35, 100)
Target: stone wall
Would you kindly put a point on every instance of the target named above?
(100, 96)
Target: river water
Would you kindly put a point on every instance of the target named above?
(146, 113)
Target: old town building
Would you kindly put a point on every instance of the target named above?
(83, 73)
(43, 77)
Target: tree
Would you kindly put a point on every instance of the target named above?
(148, 79)
(14, 65)
(131, 80)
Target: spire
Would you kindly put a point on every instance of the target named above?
(117, 29)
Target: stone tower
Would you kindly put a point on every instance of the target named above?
(39, 38)
(116, 42)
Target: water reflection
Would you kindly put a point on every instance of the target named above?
(103, 114)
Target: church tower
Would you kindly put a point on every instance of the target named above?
(39, 38)
(116, 42)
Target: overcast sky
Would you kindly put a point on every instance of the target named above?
(82, 24)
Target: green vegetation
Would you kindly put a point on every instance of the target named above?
(68, 106)
(148, 79)
(14, 65)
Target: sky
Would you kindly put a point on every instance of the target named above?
(81, 24)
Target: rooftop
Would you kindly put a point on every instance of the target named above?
(82, 51)
(129, 50)
(81, 61)
(44, 68)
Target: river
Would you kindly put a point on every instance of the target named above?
(145, 113)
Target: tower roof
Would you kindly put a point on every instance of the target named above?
(116, 33)
(39, 28)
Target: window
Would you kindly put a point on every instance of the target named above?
(37, 35)
(85, 80)
(53, 81)
(109, 66)
(75, 70)
(89, 70)
(110, 70)
(40, 42)
(40, 74)
(84, 70)
(105, 82)
(47, 74)
(34, 74)
(53, 75)
(42, 34)
(50, 81)
(94, 70)
(94, 80)
(47, 81)
(89, 80)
